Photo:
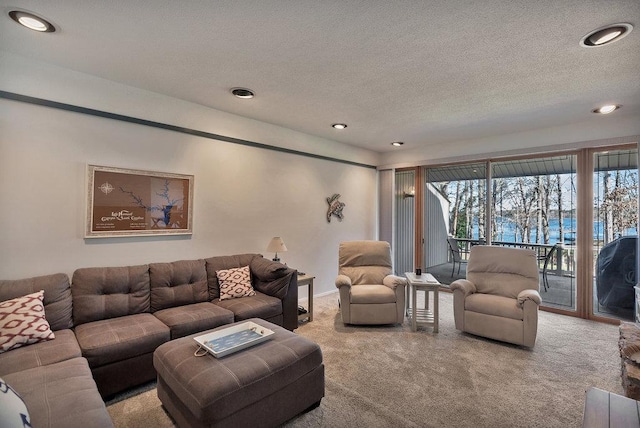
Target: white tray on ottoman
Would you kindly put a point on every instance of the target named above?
(233, 339)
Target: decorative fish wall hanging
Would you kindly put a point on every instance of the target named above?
(335, 207)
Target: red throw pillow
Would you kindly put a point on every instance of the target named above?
(22, 322)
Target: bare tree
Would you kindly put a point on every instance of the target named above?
(538, 209)
(560, 208)
(607, 208)
(619, 207)
(625, 213)
(481, 208)
(524, 198)
(455, 212)
(468, 208)
(546, 208)
(496, 210)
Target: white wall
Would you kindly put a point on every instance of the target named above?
(243, 195)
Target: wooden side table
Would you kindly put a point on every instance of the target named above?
(302, 281)
(427, 316)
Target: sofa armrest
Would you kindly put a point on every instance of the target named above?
(277, 280)
(290, 302)
(532, 295)
(467, 287)
(269, 277)
(343, 281)
(461, 288)
(393, 281)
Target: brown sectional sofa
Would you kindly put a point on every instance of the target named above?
(52, 377)
(109, 321)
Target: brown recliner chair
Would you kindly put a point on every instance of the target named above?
(369, 292)
(500, 297)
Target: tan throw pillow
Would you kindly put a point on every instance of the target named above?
(22, 322)
(234, 283)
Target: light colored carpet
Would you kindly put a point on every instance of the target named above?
(392, 377)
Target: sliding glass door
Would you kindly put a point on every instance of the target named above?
(615, 233)
(522, 203)
(533, 206)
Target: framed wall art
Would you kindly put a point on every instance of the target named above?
(128, 202)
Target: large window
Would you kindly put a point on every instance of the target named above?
(615, 233)
(578, 211)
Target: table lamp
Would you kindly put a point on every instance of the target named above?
(276, 245)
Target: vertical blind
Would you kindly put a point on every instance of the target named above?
(405, 212)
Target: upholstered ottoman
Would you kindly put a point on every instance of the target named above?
(261, 386)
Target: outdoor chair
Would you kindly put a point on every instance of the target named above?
(369, 292)
(500, 298)
(456, 254)
(556, 249)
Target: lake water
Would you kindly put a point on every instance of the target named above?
(507, 231)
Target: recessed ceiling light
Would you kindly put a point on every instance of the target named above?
(397, 143)
(31, 21)
(606, 35)
(339, 125)
(606, 109)
(243, 93)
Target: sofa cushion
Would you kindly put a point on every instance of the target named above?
(258, 306)
(492, 304)
(106, 341)
(178, 283)
(189, 319)
(235, 282)
(61, 395)
(22, 322)
(13, 411)
(109, 292)
(214, 264)
(63, 347)
(270, 277)
(57, 296)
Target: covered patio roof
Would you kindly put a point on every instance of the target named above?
(564, 164)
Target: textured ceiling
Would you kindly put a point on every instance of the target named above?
(422, 72)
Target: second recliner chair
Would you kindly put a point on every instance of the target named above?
(500, 297)
(369, 292)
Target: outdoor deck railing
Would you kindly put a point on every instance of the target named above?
(561, 263)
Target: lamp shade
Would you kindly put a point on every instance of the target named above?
(276, 245)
